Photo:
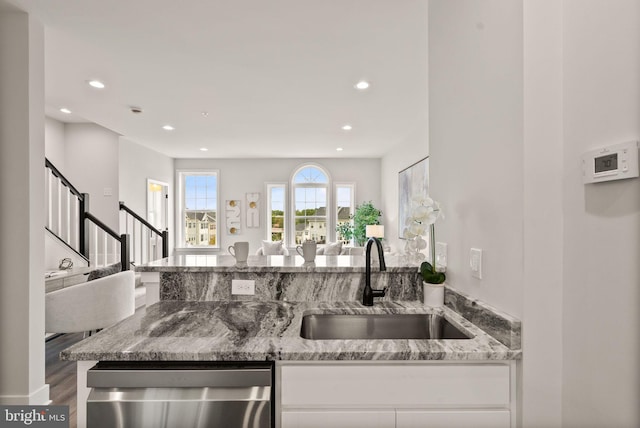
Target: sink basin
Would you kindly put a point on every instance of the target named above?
(378, 326)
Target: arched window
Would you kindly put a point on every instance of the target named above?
(310, 198)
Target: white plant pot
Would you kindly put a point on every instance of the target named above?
(433, 294)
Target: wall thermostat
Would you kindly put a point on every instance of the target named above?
(614, 162)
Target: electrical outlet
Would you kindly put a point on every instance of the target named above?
(244, 287)
(475, 262)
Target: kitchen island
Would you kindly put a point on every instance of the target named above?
(330, 382)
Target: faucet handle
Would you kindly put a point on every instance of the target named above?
(380, 293)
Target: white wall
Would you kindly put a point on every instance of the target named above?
(541, 379)
(476, 153)
(55, 251)
(241, 176)
(91, 164)
(54, 142)
(601, 303)
(408, 152)
(137, 164)
(22, 350)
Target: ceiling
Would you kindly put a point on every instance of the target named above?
(242, 78)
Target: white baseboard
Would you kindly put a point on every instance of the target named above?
(40, 397)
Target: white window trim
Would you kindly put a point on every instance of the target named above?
(337, 184)
(267, 190)
(291, 236)
(180, 226)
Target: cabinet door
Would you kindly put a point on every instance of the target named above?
(318, 418)
(453, 419)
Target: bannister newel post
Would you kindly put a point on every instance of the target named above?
(83, 230)
(125, 258)
(165, 243)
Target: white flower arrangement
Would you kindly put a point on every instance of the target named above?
(424, 212)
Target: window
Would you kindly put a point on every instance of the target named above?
(345, 206)
(198, 208)
(276, 213)
(310, 202)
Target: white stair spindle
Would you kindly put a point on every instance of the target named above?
(59, 209)
(148, 241)
(116, 253)
(105, 238)
(95, 244)
(75, 209)
(67, 215)
(49, 178)
(134, 253)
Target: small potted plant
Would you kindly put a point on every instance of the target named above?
(425, 212)
(345, 231)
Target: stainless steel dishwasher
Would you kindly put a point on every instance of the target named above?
(180, 395)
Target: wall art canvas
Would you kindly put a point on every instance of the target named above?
(413, 181)
(253, 210)
(232, 216)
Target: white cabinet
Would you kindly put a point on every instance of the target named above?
(339, 418)
(396, 394)
(452, 418)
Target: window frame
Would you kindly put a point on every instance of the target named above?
(285, 225)
(330, 235)
(336, 185)
(180, 242)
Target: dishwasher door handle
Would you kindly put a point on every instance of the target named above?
(213, 378)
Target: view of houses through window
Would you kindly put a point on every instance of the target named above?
(311, 217)
(276, 204)
(310, 185)
(345, 194)
(200, 208)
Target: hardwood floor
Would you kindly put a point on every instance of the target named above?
(61, 375)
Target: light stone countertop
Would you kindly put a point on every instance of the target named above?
(270, 330)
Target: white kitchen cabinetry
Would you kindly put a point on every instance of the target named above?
(339, 418)
(398, 394)
(452, 418)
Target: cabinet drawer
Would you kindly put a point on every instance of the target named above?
(338, 418)
(453, 419)
(395, 385)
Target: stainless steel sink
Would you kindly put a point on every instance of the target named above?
(378, 326)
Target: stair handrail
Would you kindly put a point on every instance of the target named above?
(83, 227)
(124, 207)
(162, 234)
(62, 178)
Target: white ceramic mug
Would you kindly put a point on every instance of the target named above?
(239, 250)
(307, 250)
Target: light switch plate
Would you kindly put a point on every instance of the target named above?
(475, 262)
(245, 287)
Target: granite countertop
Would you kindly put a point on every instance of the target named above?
(291, 263)
(270, 330)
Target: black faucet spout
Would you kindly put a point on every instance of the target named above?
(368, 293)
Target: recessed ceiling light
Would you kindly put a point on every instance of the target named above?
(362, 85)
(347, 128)
(96, 84)
(204, 149)
(339, 149)
(168, 128)
(65, 110)
(205, 113)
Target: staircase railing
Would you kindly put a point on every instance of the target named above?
(68, 218)
(147, 242)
